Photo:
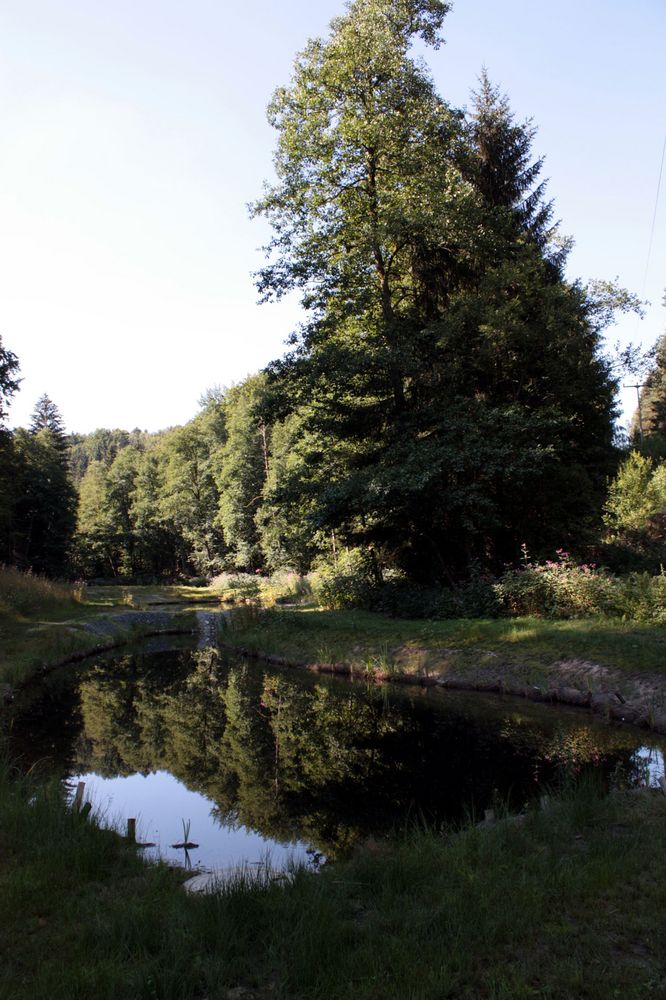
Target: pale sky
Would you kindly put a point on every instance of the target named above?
(134, 135)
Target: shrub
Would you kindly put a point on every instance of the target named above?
(234, 587)
(558, 589)
(285, 587)
(345, 583)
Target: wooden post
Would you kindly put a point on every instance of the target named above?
(131, 830)
(85, 809)
(78, 795)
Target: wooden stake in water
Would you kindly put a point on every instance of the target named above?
(78, 795)
(131, 830)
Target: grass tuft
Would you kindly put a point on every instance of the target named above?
(26, 593)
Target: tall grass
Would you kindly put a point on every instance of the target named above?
(26, 593)
(567, 903)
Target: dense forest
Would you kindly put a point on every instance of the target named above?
(447, 402)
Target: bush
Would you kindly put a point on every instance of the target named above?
(234, 587)
(285, 587)
(349, 584)
(641, 597)
(346, 583)
(474, 599)
(558, 589)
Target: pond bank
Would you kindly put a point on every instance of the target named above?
(526, 658)
(614, 669)
(567, 903)
(35, 648)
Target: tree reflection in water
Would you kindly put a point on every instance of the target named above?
(328, 762)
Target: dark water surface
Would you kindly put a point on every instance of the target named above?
(257, 760)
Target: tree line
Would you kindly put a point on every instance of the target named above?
(446, 401)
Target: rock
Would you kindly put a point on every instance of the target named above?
(513, 687)
(634, 712)
(601, 702)
(572, 696)
(455, 683)
(487, 684)
(658, 722)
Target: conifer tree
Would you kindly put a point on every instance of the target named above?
(453, 397)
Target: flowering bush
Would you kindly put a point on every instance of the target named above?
(562, 589)
(558, 589)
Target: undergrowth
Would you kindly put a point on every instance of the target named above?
(26, 593)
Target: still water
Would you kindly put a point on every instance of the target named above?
(254, 763)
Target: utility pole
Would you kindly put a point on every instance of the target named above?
(638, 397)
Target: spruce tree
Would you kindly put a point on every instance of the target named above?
(452, 397)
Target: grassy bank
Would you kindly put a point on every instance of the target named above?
(567, 903)
(616, 667)
(44, 623)
(366, 639)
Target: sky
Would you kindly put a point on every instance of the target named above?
(134, 136)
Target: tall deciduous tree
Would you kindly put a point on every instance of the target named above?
(455, 402)
(9, 380)
(241, 470)
(9, 384)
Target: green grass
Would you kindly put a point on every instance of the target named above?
(426, 646)
(41, 620)
(27, 593)
(568, 903)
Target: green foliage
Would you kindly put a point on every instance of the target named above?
(344, 583)
(234, 587)
(562, 589)
(284, 587)
(636, 494)
(9, 381)
(558, 589)
(44, 516)
(424, 254)
(241, 468)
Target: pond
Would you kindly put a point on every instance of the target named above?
(250, 761)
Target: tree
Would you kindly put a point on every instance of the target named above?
(241, 470)
(637, 493)
(45, 509)
(46, 416)
(189, 501)
(9, 382)
(497, 159)
(365, 183)
(96, 532)
(453, 399)
(649, 433)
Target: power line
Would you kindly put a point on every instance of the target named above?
(654, 218)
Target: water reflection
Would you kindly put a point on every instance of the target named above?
(260, 759)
